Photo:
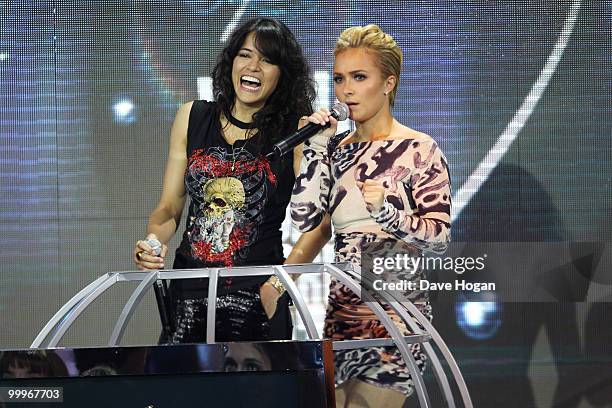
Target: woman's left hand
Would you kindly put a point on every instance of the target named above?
(269, 297)
(145, 258)
(373, 193)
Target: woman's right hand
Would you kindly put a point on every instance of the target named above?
(321, 117)
(145, 258)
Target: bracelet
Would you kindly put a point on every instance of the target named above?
(276, 284)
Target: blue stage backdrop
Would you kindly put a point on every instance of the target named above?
(517, 93)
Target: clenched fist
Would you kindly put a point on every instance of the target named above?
(373, 193)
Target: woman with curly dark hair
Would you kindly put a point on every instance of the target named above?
(238, 197)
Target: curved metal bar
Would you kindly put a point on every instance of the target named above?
(388, 341)
(396, 335)
(437, 339)
(211, 307)
(299, 302)
(67, 314)
(414, 327)
(61, 313)
(130, 307)
(65, 324)
(437, 369)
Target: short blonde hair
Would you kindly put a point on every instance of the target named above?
(373, 38)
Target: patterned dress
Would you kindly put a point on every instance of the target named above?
(416, 211)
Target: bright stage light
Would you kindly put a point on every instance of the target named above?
(479, 318)
(124, 111)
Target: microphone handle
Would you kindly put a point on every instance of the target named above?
(284, 146)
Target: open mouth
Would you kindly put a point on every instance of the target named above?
(250, 82)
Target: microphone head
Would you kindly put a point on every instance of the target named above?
(155, 245)
(340, 111)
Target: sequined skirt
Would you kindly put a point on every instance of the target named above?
(239, 317)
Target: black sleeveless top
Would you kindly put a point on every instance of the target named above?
(237, 202)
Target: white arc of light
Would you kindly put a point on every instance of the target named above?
(512, 130)
(229, 29)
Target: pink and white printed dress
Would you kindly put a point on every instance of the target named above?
(416, 211)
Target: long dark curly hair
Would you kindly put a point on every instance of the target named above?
(295, 92)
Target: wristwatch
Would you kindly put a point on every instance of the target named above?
(276, 283)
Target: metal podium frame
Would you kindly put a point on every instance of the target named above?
(346, 273)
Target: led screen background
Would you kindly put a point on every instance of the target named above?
(517, 93)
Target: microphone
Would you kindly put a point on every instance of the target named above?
(155, 245)
(339, 111)
(162, 294)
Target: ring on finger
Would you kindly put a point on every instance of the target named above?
(139, 255)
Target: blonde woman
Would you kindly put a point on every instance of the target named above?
(383, 181)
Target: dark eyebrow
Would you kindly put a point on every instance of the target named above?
(358, 71)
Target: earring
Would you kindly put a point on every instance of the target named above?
(386, 93)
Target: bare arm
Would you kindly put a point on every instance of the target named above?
(310, 243)
(165, 218)
(305, 249)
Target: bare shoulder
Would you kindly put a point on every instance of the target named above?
(178, 135)
(182, 115)
(184, 109)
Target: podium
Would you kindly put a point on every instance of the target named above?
(308, 364)
(257, 374)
